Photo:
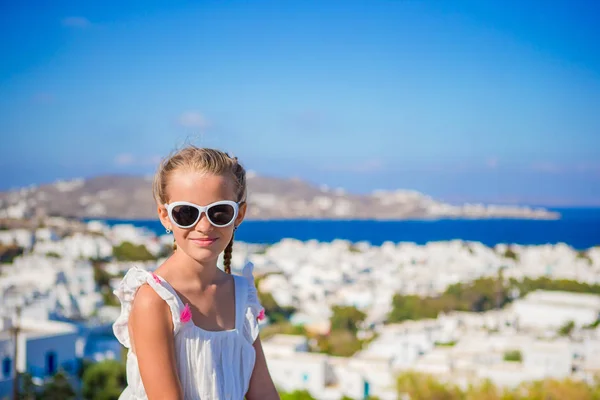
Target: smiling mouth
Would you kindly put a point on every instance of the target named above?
(204, 241)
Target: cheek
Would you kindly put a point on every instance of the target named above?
(224, 238)
(179, 236)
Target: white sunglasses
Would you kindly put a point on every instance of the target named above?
(219, 214)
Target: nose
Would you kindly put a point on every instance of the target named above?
(204, 224)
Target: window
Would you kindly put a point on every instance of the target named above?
(50, 363)
(6, 367)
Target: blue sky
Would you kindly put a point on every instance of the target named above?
(490, 101)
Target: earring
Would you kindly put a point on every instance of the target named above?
(235, 227)
(168, 231)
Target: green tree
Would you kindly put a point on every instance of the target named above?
(346, 318)
(297, 395)
(593, 325)
(102, 279)
(352, 248)
(342, 343)
(513, 356)
(424, 387)
(9, 253)
(281, 328)
(58, 388)
(480, 295)
(273, 310)
(104, 380)
(566, 329)
(28, 390)
(128, 251)
(583, 255)
(510, 253)
(486, 390)
(557, 390)
(101, 276)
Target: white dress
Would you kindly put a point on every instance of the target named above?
(211, 365)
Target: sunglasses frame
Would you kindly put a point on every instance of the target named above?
(202, 209)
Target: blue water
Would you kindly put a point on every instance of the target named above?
(579, 228)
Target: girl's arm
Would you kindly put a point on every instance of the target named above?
(151, 331)
(261, 383)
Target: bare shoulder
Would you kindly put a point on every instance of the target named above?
(152, 335)
(149, 309)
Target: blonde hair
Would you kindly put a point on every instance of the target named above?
(201, 159)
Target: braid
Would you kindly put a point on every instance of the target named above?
(227, 256)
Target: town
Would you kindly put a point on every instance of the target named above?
(343, 319)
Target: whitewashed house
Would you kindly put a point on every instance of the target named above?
(552, 359)
(325, 377)
(20, 237)
(64, 288)
(44, 348)
(552, 309)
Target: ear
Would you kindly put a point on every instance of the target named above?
(241, 214)
(164, 217)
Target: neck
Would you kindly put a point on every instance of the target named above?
(206, 272)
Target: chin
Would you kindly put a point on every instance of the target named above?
(202, 255)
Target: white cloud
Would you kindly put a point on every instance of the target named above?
(76, 22)
(547, 167)
(128, 159)
(587, 167)
(373, 165)
(307, 119)
(125, 159)
(193, 119)
(154, 160)
(584, 167)
(492, 162)
(369, 166)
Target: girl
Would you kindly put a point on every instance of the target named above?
(191, 328)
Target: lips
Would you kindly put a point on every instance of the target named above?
(203, 241)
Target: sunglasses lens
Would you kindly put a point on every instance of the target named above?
(221, 214)
(185, 215)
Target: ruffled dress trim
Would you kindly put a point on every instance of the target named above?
(254, 311)
(248, 305)
(126, 291)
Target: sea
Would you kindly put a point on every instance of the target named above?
(577, 227)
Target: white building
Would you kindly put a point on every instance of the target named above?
(551, 359)
(44, 348)
(20, 237)
(325, 377)
(77, 246)
(552, 309)
(47, 286)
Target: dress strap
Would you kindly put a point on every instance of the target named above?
(241, 293)
(168, 286)
(126, 292)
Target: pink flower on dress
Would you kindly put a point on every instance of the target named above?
(261, 314)
(186, 314)
(156, 278)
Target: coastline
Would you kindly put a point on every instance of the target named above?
(577, 230)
